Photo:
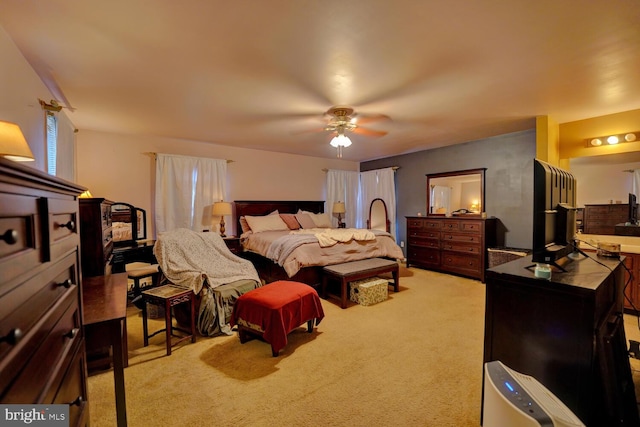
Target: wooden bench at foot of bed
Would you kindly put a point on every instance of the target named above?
(358, 270)
(273, 310)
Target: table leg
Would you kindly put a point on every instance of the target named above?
(343, 293)
(193, 318)
(167, 319)
(115, 327)
(396, 280)
(145, 327)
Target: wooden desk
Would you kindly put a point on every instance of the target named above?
(105, 307)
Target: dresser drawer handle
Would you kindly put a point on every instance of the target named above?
(67, 283)
(78, 401)
(12, 337)
(72, 333)
(10, 236)
(70, 225)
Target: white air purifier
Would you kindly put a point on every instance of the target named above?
(512, 399)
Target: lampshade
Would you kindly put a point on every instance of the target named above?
(340, 141)
(86, 195)
(338, 207)
(13, 146)
(222, 208)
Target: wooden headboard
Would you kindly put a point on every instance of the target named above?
(265, 207)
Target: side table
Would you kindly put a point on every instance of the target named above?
(169, 296)
(233, 243)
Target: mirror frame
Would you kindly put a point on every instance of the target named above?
(386, 215)
(479, 171)
(136, 234)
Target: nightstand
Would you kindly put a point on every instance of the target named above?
(233, 243)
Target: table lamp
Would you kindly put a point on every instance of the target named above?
(338, 207)
(221, 209)
(13, 146)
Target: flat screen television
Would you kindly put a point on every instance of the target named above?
(633, 210)
(554, 214)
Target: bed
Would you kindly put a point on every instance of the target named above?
(305, 262)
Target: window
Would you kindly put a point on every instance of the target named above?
(52, 142)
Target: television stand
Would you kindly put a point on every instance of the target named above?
(566, 332)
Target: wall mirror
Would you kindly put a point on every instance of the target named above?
(456, 193)
(128, 223)
(378, 218)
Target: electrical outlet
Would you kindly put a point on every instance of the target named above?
(402, 243)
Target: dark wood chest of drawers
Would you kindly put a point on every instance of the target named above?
(602, 219)
(96, 236)
(453, 245)
(42, 354)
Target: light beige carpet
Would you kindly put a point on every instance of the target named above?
(413, 360)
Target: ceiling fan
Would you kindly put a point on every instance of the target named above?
(343, 120)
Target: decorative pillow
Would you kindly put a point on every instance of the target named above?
(322, 220)
(266, 223)
(243, 224)
(291, 221)
(305, 220)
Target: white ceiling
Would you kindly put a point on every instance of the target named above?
(256, 74)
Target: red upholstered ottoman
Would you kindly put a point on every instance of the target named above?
(273, 310)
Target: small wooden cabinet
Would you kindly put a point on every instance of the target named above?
(233, 243)
(450, 244)
(96, 236)
(42, 352)
(602, 219)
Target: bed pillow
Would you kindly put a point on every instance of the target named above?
(305, 220)
(291, 221)
(266, 223)
(322, 220)
(245, 226)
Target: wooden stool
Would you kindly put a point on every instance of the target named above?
(168, 296)
(137, 274)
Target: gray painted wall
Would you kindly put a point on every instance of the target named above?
(508, 160)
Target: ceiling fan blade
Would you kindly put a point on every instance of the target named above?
(370, 118)
(369, 132)
(301, 132)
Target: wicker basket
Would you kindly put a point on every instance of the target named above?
(499, 256)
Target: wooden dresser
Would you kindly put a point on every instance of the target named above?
(96, 236)
(42, 354)
(452, 245)
(602, 219)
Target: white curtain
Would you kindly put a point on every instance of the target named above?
(186, 188)
(381, 184)
(342, 186)
(636, 183)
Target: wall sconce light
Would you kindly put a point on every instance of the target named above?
(13, 146)
(221, 209)
(339, 208)
(612, 139)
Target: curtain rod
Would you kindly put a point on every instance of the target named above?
(395, 168)
(155, 155)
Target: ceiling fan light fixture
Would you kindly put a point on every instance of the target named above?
(340, 140)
